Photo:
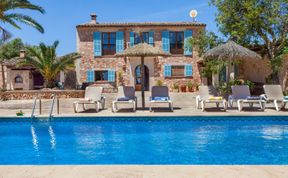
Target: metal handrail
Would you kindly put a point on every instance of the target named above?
(34, 106)
(52, 105)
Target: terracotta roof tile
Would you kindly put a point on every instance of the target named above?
(127, 24)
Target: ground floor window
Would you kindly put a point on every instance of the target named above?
(178, 71)
(101, 75)
(184, 70)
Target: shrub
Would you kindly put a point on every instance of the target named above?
(159, 83)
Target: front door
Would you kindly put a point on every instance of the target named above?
(138, 78)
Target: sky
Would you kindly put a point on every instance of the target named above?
(62, 16)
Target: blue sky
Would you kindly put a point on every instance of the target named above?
(62, 16)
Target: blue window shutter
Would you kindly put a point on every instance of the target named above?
(165, 41)
(188, 70)
(187, 49)
(167, 70)
(236, 71)
(90, 76)
(119, 42)
(111, 75)
(151, 38)
(131, 39)
(222, 74)
(97, 44)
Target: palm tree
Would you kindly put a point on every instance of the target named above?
(45, 60)
(9, 16)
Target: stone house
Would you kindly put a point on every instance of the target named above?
(19, 78)
(99, 42)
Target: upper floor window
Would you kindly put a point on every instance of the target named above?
(142, 37)
(176, 42)
(108, 43)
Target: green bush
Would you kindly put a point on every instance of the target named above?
(224, 89)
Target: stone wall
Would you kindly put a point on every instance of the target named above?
(25, 95)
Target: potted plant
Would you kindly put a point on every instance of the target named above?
(183, 88)
(190, 86)
(20, 113)
(159, 83)
(175, 87)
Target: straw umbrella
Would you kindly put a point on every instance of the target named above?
(230, 52)
(142, 50)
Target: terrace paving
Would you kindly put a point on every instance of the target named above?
(184, 106)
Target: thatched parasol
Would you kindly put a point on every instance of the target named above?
(230, 51)
(142, 50)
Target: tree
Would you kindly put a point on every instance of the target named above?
(262, 23)
(204, 41)
(45, 60)
(9, 51)
(9, 16)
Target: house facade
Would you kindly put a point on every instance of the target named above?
(99, 42)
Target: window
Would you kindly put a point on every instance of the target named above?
(101, 75)
(177, 71)
(176, 42)
(108, 43)
(18, 79)
(143, 36)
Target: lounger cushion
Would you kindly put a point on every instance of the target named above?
(161, 98)
(253, 98)
(123, 99)
(215, 98)
(285, 97)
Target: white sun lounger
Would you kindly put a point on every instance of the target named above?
(159, 92)
(241, 94)
(208, 94)
(93, 95)
(274, 93)
(126, 95)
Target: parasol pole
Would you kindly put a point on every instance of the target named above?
(142, 82)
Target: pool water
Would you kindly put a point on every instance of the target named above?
(159, 140)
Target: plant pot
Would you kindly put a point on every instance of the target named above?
(19, 114)
(183, 89)
(138, 87)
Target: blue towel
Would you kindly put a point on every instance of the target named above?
(157, 98)
(285, 97)
(253, 98)
(123, 99)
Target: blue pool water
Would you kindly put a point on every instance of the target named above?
(184, 140)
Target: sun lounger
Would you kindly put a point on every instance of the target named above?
(208, 94)
(274, 93)
(126, 95)
(241, 94)
(160, 94)
(93, 95)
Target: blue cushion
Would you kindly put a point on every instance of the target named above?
(123, 99)
(157, 98)
(253, 98)
(285, 97)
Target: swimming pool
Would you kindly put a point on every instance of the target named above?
(154, 140)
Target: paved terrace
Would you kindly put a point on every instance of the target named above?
(184, 106)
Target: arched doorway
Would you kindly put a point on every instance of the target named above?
(138, 78)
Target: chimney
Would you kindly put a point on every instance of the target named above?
(22, 53)
(93, 18)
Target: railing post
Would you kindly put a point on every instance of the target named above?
(40, 106)
(58, 107)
